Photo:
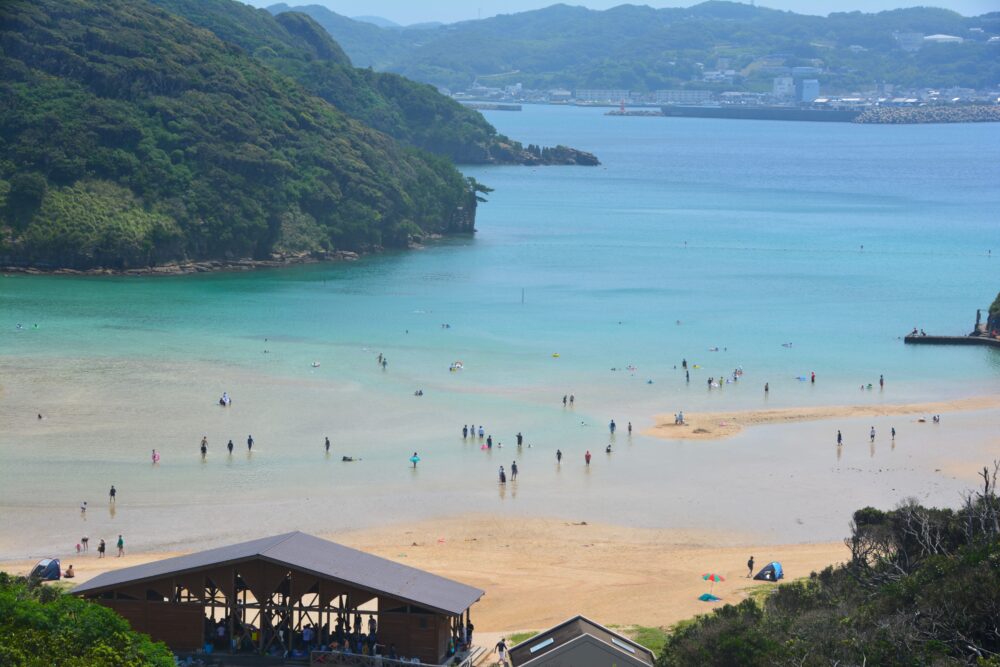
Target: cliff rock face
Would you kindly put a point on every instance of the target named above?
(993, 321)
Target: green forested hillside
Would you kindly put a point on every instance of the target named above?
(640, 48)
(130, 137)
(294, 44)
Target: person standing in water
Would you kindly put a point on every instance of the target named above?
(249, 443)
(893, 432)
(204, 447)
(327, 444)
(766, 388)
(558, 456)
(520, 438)
(630, 428)
(611, 427)
(586, 457)
(121, 546)
(156, 457)
(564, 400)
(229, 445)
(881, 382)
(414, 459)
(465, 431)
(840, 438)
(687, 376)
(513, 471)
(872, 434)
(112, 493)
(503, 476)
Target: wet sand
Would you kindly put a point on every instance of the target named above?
(537, 572)
(715, 425)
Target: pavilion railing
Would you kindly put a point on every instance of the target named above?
(341, 659)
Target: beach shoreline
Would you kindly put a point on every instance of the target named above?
(539, 571)
(718, 425)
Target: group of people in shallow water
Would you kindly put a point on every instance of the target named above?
(229, 445)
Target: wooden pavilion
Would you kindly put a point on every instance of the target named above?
(288, 593)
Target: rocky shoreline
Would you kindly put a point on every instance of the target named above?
(973, 113)
(191, 267)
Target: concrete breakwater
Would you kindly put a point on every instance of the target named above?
(973, 113)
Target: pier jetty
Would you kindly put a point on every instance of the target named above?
(984, 333)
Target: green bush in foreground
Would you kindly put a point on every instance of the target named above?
(41, 626)
(922, 587)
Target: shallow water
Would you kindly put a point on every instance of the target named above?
(694, 234)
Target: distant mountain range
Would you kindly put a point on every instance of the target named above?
(639, 48)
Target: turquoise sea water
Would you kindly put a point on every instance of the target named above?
(692, 235)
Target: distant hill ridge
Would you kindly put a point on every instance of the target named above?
(640, 48)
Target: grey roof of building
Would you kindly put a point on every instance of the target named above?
(317, 556)
(571, 629)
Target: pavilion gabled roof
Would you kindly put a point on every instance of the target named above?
(322, 558)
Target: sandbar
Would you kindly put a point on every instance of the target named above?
(716, 425)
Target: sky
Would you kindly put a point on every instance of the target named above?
(406, 12)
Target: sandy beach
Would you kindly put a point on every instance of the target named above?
(537, 572)
(715, 425)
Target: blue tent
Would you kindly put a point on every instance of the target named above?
(47, 569)
(771, 572)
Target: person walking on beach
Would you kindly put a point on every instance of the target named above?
(112, 493)
(249, 443)
(121, 546)
(229, 445)
(586, 457)
(501, 650)
(872, 434)
(101, 546)
(513, 471)
(558, 456)
(750, 567)
(840, 438)
(326, 444)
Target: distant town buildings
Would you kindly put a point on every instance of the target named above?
(683, 96)
(807, 89)
(602, 95)
(783, 88)
(943, 39)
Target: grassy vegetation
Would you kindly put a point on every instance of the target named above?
(516, 638)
